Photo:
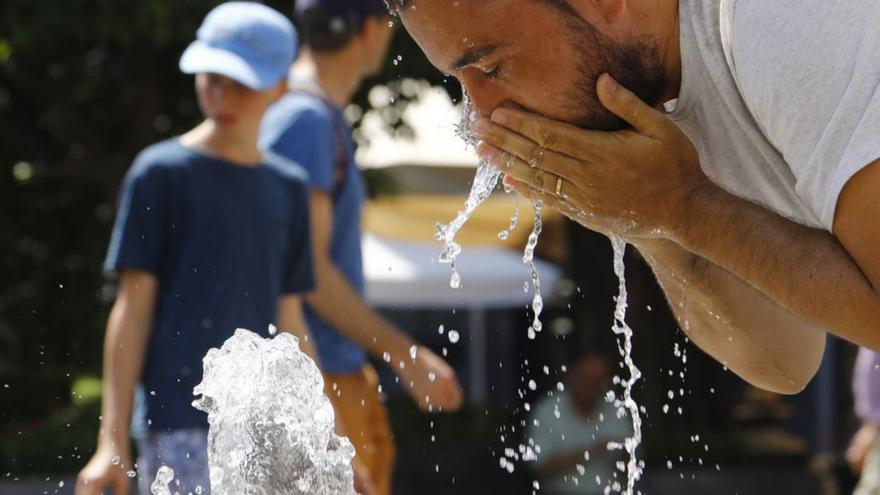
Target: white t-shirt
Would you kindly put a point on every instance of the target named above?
(782, 98)
(557, 429)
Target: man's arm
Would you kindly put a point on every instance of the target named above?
(430, 381)
(291, 319)
(752, 287)
(801, 280)
(730, 320)
(128, 330)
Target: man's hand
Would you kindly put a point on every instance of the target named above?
(430, 381)
(102, 472)
(363, 484)
(862, 443)
(631, 183)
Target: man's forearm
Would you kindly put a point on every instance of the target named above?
(358, 322)
(804, 270)
(733, 322)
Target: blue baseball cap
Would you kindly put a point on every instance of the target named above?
(245, 41)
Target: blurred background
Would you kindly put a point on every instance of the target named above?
(86, 84)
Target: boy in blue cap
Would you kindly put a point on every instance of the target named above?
(211, 235)
(346, 40)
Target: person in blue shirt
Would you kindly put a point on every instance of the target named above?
(346, 40)
(211, 235)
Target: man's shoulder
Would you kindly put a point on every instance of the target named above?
(286, 169)
(159, 160)
(296, 108)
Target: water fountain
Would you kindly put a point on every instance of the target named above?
(271, 426)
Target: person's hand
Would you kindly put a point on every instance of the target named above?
(860, 446)
(631, 183)
(108, 467)
(363, 483)
(430, 381)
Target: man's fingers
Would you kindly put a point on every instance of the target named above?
(541, 176)
(552, 201)
(629, 107)
(548, 134)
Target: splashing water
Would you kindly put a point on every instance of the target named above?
(514, 219)
(271, 426)
(164, 476)
(634, 466)
(529, 260)
(485, 181)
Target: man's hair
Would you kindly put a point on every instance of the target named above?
(394, 6)
(323, 33)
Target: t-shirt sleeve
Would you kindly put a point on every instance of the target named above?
(136, 242)
(308, 139)
(298, 274)
(810, 75)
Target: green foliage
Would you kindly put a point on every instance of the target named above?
(86, 390)
(53, 298)
(60, 444)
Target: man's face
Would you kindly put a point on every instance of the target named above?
(531, 55)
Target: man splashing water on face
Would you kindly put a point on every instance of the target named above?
(753, 196)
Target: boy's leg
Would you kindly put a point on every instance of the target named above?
(184, 451)
(358, 406)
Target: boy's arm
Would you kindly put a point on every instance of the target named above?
(128, 330)
(292, 320)
(429, 379)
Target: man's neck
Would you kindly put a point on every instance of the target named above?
(671, 49)
(237, 149)
(338, 74)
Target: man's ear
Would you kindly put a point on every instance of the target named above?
(368, 29)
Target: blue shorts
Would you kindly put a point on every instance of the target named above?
(184, 451)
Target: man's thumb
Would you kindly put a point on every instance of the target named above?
(626, 105)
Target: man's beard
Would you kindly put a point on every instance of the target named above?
(635, 65)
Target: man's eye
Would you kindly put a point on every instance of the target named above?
(494, 73)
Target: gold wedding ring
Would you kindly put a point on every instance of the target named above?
(559, 186)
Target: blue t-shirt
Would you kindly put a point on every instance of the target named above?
(225, 242)
(301, 129)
